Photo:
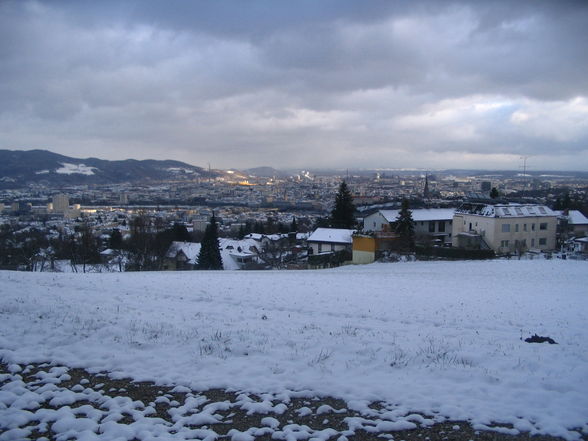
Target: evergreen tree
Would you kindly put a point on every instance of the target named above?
(116, 240)
(494, 193)
(180, 233)
(210, 257)
(404, 226)
(343, 214)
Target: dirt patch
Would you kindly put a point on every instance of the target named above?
(47, 401)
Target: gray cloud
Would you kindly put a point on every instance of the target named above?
(341, 83)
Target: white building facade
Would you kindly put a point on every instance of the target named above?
(505, 228)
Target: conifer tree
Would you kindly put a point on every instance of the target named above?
(180, 233)
(116, 240)
(293, 225)
(404, 226)
(209, 257)
(343, 214)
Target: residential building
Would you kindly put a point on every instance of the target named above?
(574, 221)
(236, 254)
(581, 245)
(505, 228)
(328, 240)
(431, 224)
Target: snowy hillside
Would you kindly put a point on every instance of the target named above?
(438, 338)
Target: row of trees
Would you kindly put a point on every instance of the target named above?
(29, 248)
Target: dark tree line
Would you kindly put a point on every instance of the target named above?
(271, 226)
(28, 248)
(149, 241)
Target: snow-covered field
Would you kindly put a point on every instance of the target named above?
(438, 338)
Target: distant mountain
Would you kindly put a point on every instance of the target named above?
(19, 168)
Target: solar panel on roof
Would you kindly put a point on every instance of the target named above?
(542, 210)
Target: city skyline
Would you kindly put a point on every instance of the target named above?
(329, 85)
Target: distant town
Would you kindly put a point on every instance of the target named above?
(278, 221)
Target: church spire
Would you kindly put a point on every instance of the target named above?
(426, 190)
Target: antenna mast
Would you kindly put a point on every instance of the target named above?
(524, 158)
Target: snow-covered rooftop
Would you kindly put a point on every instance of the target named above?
(507, 210)
(331, 235)
(575, 217)
(422, 214)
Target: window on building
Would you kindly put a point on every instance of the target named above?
(504, 243)
(441, 227)
(543, 226)
(516, 228)
(532, 227)
(542, 241)
(532, 242)
(506, 228)
(431, 226)
(524, 227)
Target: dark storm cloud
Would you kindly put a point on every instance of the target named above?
(288, 83)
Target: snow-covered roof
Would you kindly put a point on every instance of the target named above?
(258, 236)
(575, 217)
(507, 210)
(422, 214)
(331, 235)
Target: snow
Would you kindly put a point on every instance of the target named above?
(331, 235)
(575, 217)
(430, 340)
(422, 214)
(177, 170)
(69, 169)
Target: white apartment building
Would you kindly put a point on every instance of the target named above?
(505, 228)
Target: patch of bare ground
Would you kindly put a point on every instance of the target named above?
(234, 412)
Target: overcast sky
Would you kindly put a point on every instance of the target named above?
(301, 84)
